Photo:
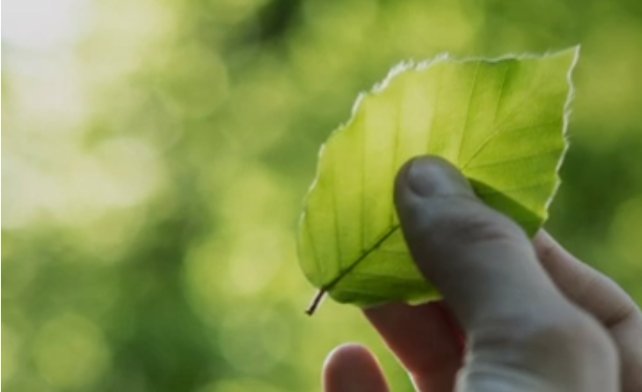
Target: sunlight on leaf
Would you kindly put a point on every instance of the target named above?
(501, 121)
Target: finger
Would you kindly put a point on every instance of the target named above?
(352, 368)
(601, 297)
(425, 338)
(582, 284)
(481, 261)
(517, 321)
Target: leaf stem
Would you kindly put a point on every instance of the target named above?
(316, 301)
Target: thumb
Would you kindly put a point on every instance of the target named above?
(481, 261)
(522, 331)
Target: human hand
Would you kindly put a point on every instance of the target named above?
(516, 316)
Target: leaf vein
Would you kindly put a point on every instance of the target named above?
(496, 133)
(365, 254)
(395, 152)
(319, 265)
(516, 159)
(335, 215)
(492, 191)
(467, 119)
(435, 101)
(362, 205)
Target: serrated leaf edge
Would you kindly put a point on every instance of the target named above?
(379, 87)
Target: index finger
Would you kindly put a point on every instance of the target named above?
(603, 298)
(425, 338)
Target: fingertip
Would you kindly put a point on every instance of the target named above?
(347, 352)
(429, 176)
(422, 183)
(352, 367)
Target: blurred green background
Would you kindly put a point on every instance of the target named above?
(155, 155)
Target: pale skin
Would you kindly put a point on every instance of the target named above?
(517, 314)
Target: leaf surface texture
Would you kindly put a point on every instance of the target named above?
(501, 122)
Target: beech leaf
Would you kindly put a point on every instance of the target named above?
(502, 122)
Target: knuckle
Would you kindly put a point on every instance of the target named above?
(560, 335)
(621, 311)
(578, 333)
(546, 250)
(563, 345)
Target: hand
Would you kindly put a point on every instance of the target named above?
(516, 316)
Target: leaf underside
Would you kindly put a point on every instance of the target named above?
(501, 122)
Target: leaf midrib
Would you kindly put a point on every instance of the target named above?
(328, 287)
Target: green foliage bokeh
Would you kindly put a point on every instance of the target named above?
(155, 155)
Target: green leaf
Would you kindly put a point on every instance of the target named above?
(501, 122)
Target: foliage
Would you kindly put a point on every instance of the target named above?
(500, 121)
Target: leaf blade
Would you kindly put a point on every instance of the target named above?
(481, 115)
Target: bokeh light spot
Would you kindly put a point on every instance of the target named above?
(254, 340)
(71, 352)
(42, 24)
